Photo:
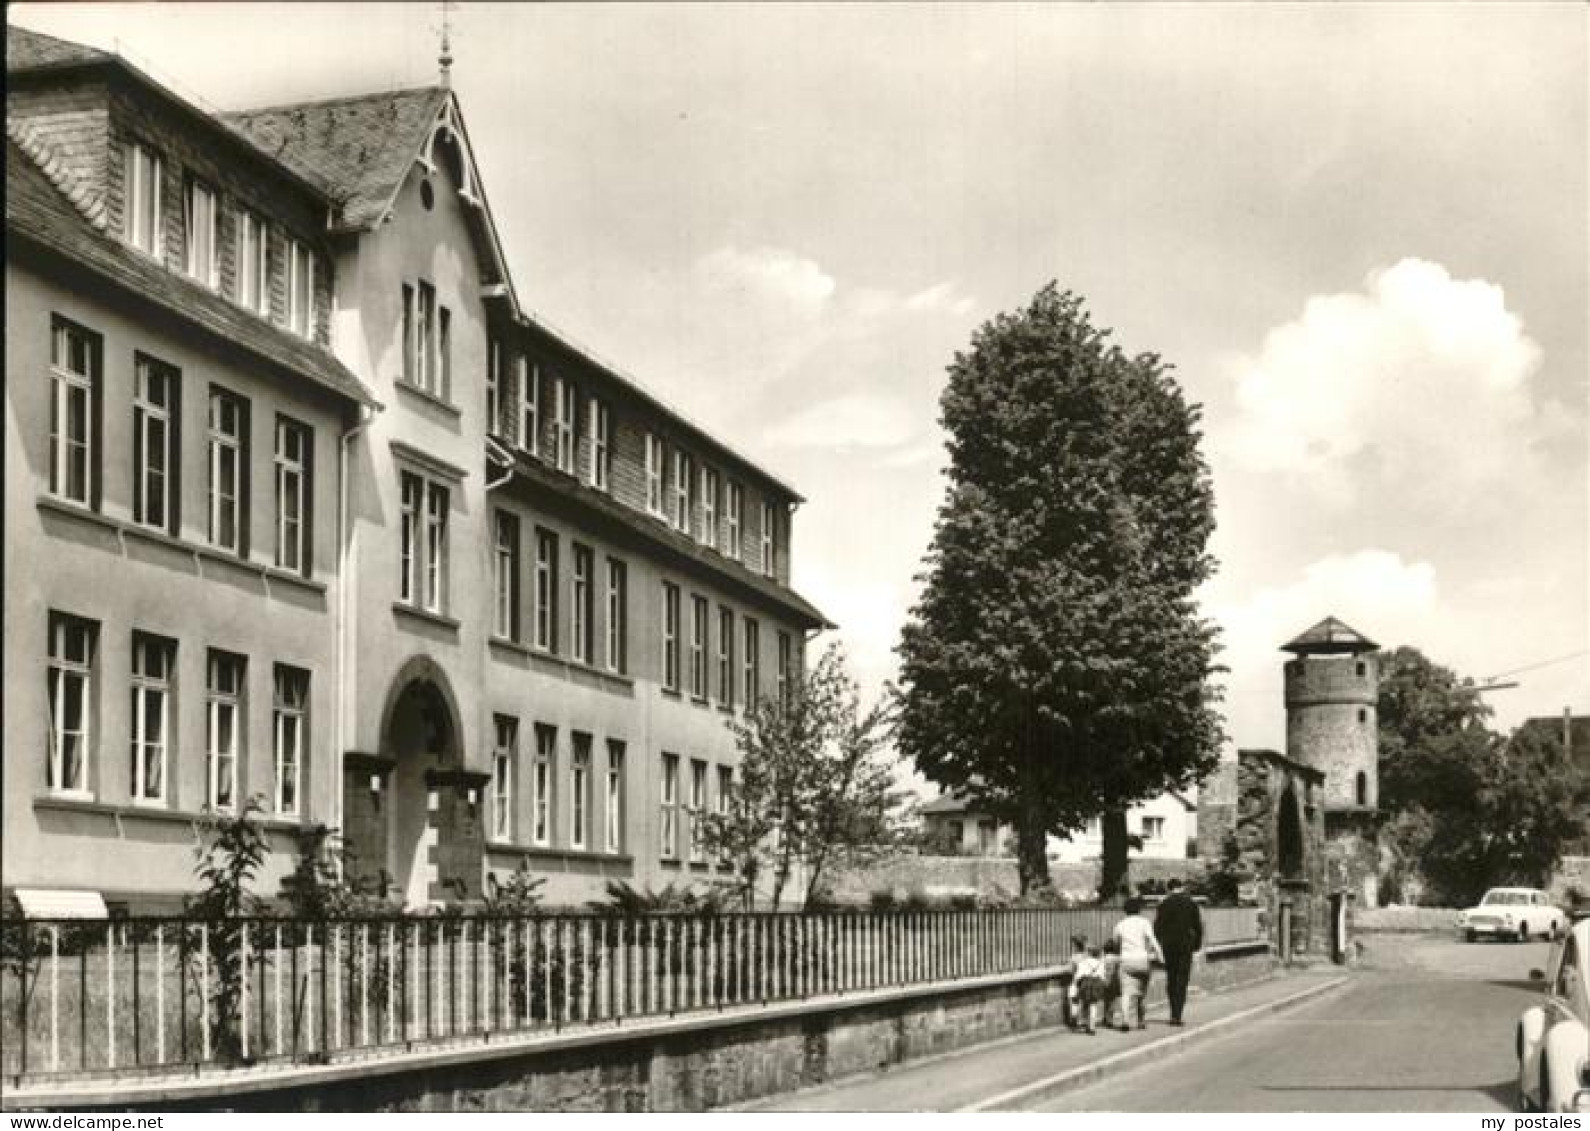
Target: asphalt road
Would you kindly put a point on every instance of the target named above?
(1427, 1025)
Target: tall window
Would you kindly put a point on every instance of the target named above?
(228, 469)
(413, 503)
(424, 509)
(141, 198)
(613, 809)
(541, 801)
(785, 664)
(769, 539)
(698, 647)
(436, 507)
(654, 475)
(71, 674)
(709, 506)
(529, 405)
(154, 444)
(725, 656)
(546, 590)
(152, 660)
(289, 711)
(583, 625)
(753, 663)
(253, 263)
(698, 808)
(725, 790)
(223, 690)
(580, 790)
(506, 731)
(300, 289)
(681, 491)
(565, 421)
(74, 391)
(669, 807)
(734, 521)
(294, 455)
(201, 222)
(505, 576)
(670, 636)
(617, 616)
(494, 398)
(601, 429)
(427, 345)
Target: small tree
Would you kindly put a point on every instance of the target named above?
(226, 869)
(813, 784)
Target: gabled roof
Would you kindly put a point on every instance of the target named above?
(361, 147)
(1330, 636)
(29, 50)
(947, 803)
(38, 214)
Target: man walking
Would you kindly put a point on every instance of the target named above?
(1180, 930)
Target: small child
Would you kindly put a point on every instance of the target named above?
(1079, 949)
(1112, 981)
(1090, 988)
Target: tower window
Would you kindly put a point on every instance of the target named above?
(1362, 788)
(1363, 715)
(1359, 666)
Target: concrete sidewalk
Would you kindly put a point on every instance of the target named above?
(1002, 1074)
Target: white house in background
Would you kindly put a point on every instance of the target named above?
(1167, 824)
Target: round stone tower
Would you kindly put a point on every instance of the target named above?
(1332, 685)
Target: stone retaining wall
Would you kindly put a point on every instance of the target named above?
(712, 1062)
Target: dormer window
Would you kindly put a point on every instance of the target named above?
(530, 405)
(565, 414)
(682, 490)
(300, 289)
(202, 230)
(141, 199)
(253, 281)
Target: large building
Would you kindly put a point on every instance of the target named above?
(303, 506)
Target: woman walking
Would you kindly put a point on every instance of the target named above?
(1139, 950)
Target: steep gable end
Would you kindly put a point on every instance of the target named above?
(360, 147)
(71, 171)
(29, 50)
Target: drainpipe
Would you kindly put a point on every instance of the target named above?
(346, 580)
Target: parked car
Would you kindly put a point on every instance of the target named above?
(1553, 1046)
(1513, 913)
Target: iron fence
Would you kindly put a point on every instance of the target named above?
(158, 994)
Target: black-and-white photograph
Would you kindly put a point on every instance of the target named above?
(796, 557)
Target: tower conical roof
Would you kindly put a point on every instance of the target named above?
(1330, 636)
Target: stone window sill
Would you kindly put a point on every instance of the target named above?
(199, 552)
(147, 811)
(545, 852)
(426, 396)
(426, 616)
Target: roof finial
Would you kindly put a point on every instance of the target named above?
(445, 59)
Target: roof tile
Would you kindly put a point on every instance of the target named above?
(359, 147)
(37, 212)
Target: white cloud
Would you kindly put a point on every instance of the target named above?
(1375, 591)
(767, 275)
(1419, 386)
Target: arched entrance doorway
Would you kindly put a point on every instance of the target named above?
(413, 811)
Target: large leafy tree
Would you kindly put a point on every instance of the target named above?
(1056, 667)
(814, 784)
(1467, 808)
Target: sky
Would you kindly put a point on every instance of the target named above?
(1361, 233)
